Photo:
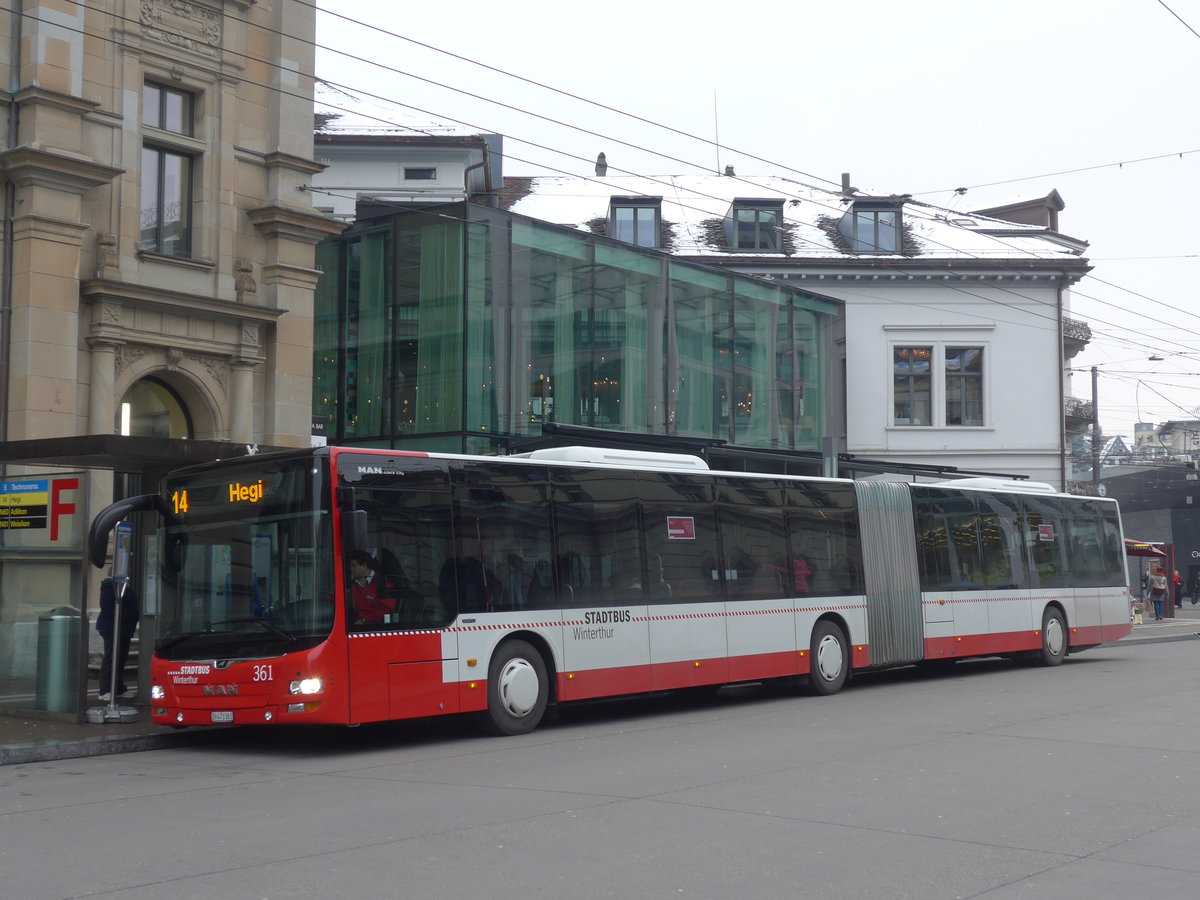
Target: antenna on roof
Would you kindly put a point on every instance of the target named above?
(716, 130)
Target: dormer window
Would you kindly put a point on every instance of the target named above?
(872, 227)
(756, 225)
(635, 220)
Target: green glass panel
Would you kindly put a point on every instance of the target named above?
(486, 292)
(326, 345)
(439, 351)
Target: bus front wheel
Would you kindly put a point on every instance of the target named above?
(829, 659)
(518, 689)
(1054, 638)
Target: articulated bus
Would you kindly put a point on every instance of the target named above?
(350, 585)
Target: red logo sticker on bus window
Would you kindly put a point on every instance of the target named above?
(1045, 532)
(681, 528)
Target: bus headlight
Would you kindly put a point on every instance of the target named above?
(306, 686)
(157, 692)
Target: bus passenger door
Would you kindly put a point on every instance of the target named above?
(402, 650)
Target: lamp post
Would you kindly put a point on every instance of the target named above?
(1097, 438)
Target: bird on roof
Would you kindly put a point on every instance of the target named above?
(601, 164)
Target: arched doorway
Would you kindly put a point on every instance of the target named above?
(152, 408)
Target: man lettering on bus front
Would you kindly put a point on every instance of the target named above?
(370, 606)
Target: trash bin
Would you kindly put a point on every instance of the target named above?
(58, 659)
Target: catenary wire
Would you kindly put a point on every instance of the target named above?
(953, 287)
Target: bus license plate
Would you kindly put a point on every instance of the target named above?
(222, 717)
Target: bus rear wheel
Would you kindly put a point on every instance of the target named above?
(829, 659)
(1054, 638)
(518, 689)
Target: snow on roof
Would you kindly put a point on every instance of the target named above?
(692, 203)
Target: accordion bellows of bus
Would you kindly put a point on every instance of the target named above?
(350, 585)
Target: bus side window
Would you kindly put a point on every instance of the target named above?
(753, 538)
(680, 534)
(823, 532)
(502, 519)
(600, 560)
(409, 529)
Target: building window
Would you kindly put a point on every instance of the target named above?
(912, 385)
(635, 223)
(875, 230)
(167, 171)
(166, 202)
(756, 227)
(928, 380)
(425, 174)
(167, 109)
(964, 385)
(151, 408)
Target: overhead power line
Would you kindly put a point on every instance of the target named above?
(896, 266)
(568, 94)
(1179, 17)
(1112, 165)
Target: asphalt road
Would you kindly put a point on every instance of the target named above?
(995, 781)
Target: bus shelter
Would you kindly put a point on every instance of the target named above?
(49, 490)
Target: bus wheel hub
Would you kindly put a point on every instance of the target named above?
(518, 687)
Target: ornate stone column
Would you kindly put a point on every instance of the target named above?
(241, 388)
(241, 401)
(102, 405)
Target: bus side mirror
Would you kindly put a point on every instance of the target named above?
(111, 515)
(354, 530)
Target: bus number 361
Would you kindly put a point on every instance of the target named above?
(263, 673)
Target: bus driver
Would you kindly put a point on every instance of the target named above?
(370, 606)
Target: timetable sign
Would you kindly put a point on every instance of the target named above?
(24, 504)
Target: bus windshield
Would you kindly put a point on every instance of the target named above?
(245, 569)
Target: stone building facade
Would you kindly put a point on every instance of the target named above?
(156, 273)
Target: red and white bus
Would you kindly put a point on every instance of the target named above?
(499, 585)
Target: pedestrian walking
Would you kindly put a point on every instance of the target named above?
(1157, 582)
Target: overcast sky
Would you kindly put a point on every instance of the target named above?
(921, 97)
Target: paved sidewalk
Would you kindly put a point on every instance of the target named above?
(26, 740)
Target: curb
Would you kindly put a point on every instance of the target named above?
(106, 745)
(1164, 639)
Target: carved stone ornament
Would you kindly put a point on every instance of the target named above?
(243, 282)
(250, 335)
(108, 261)
(128, 356)
(182, 24)
(218, 369)
(110, 313)
(174, 358)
